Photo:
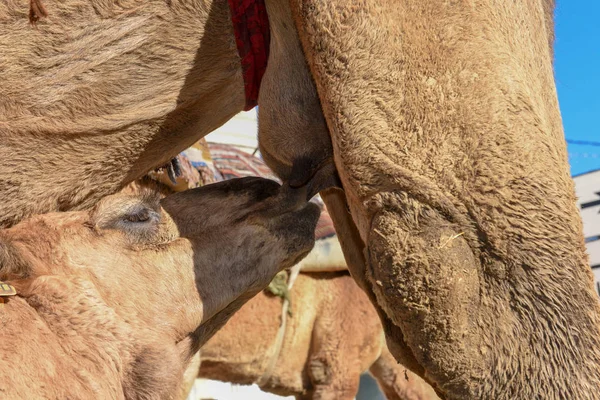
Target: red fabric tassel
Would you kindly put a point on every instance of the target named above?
(252, 37)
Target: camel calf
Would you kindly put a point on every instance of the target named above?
(333, 336)
(113, 302)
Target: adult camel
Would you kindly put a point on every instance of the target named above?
(441, 119)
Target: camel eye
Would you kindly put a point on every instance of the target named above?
(142, 215)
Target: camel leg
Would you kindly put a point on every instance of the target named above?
(332, 377)
(449, 153)
(334, 364)
(189, 376)
(418, 268)
(288, 138)
(399, 383)
(353, 248)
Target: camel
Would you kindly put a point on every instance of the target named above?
(439, 121)
(113, 302)
(228, 162)
(298, 347)
(333, 335)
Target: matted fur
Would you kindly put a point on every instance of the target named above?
(449, 142)
(446, 134)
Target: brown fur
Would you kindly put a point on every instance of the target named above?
(442, 121)
(114, 302)
(100, 92)
(333, 336)
(448, 141)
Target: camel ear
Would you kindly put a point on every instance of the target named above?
(12, 264)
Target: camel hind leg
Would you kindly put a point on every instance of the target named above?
(399, 383)
(331, 379)
(333, 364)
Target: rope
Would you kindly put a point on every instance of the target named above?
(264, 378)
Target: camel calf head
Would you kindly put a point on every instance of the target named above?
(118, 298)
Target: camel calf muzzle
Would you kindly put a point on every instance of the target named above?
(315, 175)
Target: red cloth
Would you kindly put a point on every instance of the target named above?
(252, 37)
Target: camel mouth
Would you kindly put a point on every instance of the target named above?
(315, 178)
(297, 228)
(285, 212)
(285, 200)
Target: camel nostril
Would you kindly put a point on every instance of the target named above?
(258, 189)
(265, 190)
(287, 200)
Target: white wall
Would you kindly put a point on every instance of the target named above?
(587, 188)
(207, 389)
(241, 131)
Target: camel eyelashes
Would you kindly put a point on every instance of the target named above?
(142, 215)
(140, 223)
(128, 214)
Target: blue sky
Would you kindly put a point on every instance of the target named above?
(577, 72)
